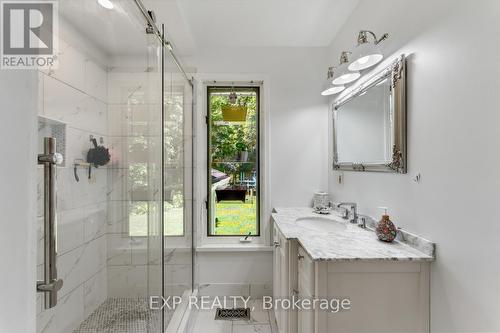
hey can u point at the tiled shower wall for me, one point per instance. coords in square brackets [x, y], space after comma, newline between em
[76, 94]
[134, 245]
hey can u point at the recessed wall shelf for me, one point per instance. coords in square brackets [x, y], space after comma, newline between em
[55, 129]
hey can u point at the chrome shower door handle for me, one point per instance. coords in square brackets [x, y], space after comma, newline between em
[50, 284]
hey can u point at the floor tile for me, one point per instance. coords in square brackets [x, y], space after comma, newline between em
[206, 323]
[252, 329]
[257, 316]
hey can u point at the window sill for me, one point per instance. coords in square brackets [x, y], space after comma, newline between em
[234, 248]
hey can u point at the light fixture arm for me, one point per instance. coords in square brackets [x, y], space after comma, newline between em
[329, 74]
[363, 37]
[344, 57]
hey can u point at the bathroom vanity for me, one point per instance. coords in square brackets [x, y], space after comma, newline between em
[326, 257]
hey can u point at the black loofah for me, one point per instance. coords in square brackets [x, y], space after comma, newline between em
[99, 155]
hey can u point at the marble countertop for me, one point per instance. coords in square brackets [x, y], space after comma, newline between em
[352, 243]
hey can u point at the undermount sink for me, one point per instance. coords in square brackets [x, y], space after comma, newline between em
[321, 224]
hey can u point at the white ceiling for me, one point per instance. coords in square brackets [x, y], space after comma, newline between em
[120, 31]
[265, 23]
[194, 24]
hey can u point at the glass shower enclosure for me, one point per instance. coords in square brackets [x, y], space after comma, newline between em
[123, 222]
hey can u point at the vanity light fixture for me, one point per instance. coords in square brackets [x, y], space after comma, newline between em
[367, 53]
[345, 76]
[106, 4]
[328, 89]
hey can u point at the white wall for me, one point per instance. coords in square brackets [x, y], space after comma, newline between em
[453, 125]
[18, 100]
[297, 137]
[297, 119]
[235, 273]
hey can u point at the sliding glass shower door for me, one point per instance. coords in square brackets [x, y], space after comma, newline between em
[178, 227]
[116, 90]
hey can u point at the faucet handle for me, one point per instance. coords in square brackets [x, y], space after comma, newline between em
[362, 224]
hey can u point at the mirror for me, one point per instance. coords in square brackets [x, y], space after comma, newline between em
[369, 123]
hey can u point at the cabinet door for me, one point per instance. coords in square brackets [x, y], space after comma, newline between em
[305, 318]
[284, 290]
[306, 287]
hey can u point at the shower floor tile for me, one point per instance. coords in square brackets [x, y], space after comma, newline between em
[123, 315]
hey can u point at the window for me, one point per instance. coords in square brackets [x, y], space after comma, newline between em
[233, 161]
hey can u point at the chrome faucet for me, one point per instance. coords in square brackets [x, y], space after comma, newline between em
[362, 221]
[353, 208]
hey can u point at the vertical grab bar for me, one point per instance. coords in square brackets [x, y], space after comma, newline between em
[50, 285]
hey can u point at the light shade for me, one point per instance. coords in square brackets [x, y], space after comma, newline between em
[332, 90]
[106, 4]
[367, 55]
[346, 78]
[328, 89]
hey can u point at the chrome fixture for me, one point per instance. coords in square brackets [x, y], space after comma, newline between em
[344, 75]
[328, 89]
[366, 221]
[367, 54]
[353, 209]
[362, 224]
[50, 285]
[161, 36]
[149, 29]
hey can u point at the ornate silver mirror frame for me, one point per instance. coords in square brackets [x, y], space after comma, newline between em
[396, 71]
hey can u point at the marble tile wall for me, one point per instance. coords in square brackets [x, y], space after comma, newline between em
[76, 94]
[133, 194]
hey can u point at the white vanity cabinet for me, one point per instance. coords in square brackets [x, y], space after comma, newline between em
[284, 280]
[384, 295]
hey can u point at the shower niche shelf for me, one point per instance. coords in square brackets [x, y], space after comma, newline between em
[53, 128]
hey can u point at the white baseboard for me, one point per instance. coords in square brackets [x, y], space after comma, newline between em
[257, 290]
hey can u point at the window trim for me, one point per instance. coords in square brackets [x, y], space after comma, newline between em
[258, 90]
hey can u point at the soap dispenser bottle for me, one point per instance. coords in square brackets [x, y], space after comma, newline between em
[386, 230]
